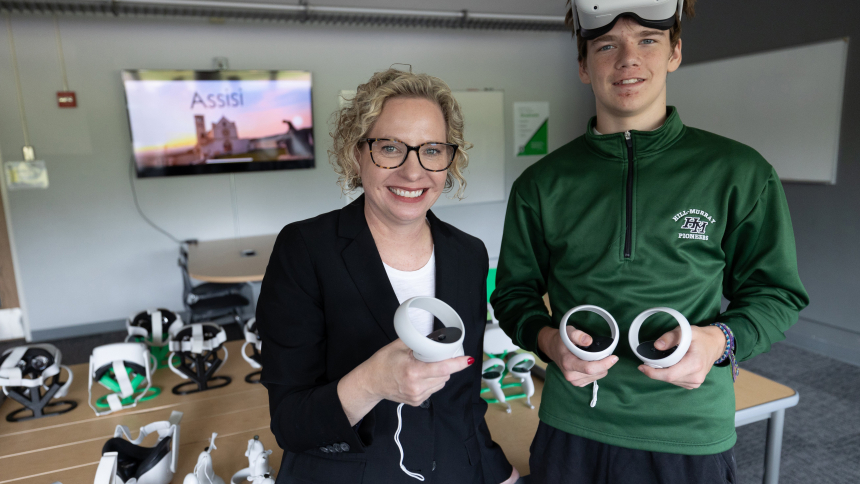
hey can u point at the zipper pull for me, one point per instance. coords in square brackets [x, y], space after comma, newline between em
[629, 138]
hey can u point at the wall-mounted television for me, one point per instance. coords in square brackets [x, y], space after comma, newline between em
[194, 122]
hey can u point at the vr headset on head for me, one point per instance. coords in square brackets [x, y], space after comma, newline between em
[593, 18]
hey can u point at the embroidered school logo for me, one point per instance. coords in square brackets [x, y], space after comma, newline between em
[695, 225]
[696, 221]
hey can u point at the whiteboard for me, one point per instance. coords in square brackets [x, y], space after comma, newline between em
[484, 115]
[787, 104]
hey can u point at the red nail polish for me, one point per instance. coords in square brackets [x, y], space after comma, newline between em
[470, 361]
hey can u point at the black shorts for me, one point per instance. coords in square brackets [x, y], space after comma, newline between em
[560, 457]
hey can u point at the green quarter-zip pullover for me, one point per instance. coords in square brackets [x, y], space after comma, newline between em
[674, 217]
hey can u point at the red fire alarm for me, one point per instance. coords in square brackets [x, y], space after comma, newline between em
[67, 99]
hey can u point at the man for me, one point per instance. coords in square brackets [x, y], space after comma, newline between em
[641, 212]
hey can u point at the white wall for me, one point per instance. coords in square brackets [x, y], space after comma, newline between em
[84, 253]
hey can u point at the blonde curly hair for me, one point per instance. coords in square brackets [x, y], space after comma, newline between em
[355, 120]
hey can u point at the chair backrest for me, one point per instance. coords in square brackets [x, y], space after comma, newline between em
[186, 279]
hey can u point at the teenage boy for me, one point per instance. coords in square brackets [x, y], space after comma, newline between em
[641, 212]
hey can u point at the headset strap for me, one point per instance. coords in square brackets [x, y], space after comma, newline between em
[10, 374]
[247, 358]
[199, 343]
[155, 319]
[106, 472]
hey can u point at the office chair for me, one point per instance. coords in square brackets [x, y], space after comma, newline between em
[210, 301]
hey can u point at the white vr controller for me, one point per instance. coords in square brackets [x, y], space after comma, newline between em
[437, 346]
[491, 372]
[601, 346]
[440, 344]
[204, 472]
[258, 471]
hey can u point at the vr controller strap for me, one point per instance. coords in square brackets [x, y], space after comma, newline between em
[397, 441]
[156, 328]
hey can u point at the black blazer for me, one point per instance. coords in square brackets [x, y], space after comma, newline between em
[326, 305]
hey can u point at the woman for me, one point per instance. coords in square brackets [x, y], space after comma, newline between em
[332, 362]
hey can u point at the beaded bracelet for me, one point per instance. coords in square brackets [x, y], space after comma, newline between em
[729, 352]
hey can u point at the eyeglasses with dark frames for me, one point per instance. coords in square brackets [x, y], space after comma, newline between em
[390, 153]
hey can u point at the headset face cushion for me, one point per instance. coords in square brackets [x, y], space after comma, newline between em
[161, 449]
[209, 332]
[104, 369]
[134, 460]
[144, 319]
[33, 362]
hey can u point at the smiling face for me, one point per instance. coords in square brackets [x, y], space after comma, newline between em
[627, 69]
[403, 195]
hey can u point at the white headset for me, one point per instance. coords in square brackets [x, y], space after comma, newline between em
[593, 18]
[117, 355]
[143, 470]
[12, 376]
[25, 369]
[197, 344]
[157, 317]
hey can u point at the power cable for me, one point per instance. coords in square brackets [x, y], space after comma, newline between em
[18, 83]
[60, 54]
[140, 211]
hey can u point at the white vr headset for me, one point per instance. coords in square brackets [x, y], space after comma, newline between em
[126, 362]
[197, 347]
[126, 461]
[593, 18]
[152, 324]
[25, 370]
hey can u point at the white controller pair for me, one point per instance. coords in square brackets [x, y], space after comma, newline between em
[602, 347]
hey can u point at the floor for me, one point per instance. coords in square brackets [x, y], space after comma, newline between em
[822, 433]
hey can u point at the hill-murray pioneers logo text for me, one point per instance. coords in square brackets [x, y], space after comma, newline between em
[696, 221]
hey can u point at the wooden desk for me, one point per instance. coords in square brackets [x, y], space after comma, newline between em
[757, 398]
[223, 260]
[67, 448]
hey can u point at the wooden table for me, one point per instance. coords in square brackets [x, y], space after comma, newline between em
[242, 259]
[67, 448]
[757, 398]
